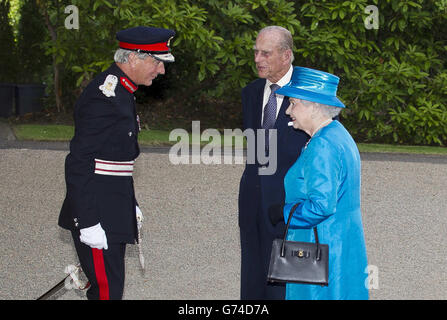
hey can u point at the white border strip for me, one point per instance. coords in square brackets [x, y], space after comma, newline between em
[114, 168]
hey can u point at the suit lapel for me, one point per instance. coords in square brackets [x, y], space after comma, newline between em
[258, 100]
[282, 117]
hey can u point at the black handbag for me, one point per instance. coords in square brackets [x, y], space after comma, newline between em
[299, 262]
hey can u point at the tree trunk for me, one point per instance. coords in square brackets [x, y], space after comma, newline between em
[56, 68]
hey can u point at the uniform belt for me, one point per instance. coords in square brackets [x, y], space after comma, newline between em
[114, 168]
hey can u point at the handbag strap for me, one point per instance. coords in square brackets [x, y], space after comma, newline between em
[318, 254]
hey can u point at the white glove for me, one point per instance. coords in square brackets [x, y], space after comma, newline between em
[94, 237]
[140, 217]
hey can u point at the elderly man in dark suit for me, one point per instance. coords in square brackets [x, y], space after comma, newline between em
[258, 193]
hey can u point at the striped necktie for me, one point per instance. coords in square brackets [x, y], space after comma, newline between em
[270, 109]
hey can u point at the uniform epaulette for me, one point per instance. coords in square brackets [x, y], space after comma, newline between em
[109, 85]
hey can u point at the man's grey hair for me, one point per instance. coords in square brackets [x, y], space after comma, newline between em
[329, 111]
[286, 39]
[122, 55]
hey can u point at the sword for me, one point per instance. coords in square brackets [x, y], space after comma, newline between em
[71, 281]
[140, 249]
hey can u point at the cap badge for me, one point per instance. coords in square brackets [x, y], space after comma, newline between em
[169, 41]
[109, 85]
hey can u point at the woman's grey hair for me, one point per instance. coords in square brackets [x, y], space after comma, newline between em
[286, 39]
[329, 111]
[122, 55]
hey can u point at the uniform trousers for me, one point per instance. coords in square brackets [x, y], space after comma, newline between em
[104, 269]
[256, 247]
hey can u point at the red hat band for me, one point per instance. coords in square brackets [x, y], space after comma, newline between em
[156, 47]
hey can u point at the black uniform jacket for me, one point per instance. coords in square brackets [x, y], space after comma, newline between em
[106, 128]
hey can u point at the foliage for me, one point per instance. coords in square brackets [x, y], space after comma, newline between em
[8, 61]
[31, 55]
[393, 79]
[14, 13]
[394, 83]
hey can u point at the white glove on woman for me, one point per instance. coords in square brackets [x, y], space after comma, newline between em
[94, 237]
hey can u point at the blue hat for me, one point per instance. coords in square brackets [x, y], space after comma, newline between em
[312, 85]
[150, 40]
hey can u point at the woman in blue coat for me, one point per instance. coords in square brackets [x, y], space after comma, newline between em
[325, 181]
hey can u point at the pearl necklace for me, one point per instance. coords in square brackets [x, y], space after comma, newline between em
[318, 128]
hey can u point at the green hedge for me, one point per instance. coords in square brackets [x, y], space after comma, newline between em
[8, 54]
[393, 79]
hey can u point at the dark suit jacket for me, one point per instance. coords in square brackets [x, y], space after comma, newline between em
[259, 192]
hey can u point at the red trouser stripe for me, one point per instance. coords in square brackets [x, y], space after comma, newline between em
[100, 271]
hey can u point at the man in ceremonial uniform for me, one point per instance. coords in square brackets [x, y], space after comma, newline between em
[100, 207]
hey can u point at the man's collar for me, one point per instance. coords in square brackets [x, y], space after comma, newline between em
[128, 84]
[125, 81]
[284, 80]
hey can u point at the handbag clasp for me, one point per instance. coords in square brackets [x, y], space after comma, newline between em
[301, 254]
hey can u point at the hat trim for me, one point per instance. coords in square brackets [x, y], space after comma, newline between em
[166, 57]
[310, 96]
[150, 52]
[153, 47]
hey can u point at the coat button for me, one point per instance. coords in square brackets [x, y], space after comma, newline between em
[130, 133]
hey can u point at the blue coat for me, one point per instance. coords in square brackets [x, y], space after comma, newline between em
[258, 192]
[326, 181]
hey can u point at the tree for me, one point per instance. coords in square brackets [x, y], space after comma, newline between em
[51, 13]
[8, 58]
[31, 33]
[393, 79]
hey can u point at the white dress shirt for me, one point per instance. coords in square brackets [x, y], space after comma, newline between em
[279, 98]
